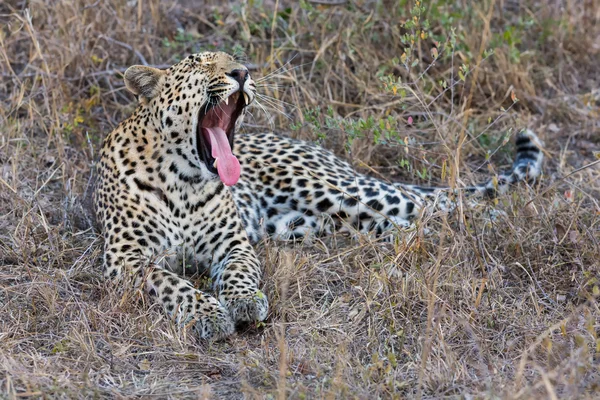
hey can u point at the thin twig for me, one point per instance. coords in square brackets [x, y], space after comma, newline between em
[126, 46]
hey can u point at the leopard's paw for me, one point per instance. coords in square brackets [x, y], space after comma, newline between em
[205, 315]
[215, 324]
[249, 308]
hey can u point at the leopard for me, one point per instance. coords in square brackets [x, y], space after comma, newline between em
[179, 193]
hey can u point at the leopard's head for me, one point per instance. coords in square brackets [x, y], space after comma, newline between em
[197, 105]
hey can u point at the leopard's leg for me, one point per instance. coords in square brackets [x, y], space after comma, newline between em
[221, 244]
[130, 264]
[355, 203]
[235, 271]
[236, 280]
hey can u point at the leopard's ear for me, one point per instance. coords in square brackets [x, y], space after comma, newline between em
[144, 81]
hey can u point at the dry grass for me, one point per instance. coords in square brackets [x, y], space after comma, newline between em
[502, 310]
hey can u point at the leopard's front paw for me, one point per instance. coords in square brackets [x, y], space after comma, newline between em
[213, 324]
[205, 315]
[249, 308]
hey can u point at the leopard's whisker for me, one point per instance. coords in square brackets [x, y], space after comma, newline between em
[275, 100]
[280, 71]
[276, 70]
[277, 107]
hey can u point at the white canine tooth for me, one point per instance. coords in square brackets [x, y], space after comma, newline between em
[227, 100]
[215, 164]
[246, 98]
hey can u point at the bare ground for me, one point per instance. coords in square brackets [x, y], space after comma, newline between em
[474, 309]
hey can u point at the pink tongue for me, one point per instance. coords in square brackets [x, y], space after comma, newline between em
[228, 165]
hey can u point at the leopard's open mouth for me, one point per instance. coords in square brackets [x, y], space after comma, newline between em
[214, 136]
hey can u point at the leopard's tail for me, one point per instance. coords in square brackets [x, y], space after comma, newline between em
[526, 167]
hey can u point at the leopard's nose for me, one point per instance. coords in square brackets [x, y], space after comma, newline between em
[240, 75]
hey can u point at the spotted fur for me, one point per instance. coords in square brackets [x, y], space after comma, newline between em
[166, 215]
